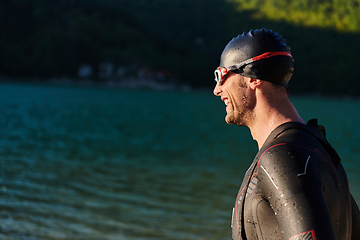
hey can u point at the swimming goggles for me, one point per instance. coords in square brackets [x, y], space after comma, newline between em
[221, 72]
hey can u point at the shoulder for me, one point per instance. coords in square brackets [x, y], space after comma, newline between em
[292, 145]
[289, 164]
[287, 152]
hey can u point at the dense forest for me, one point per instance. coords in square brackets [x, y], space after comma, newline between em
[46, 39]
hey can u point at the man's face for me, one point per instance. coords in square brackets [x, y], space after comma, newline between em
[238, 98]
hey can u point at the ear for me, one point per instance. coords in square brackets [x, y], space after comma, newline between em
[254, 83]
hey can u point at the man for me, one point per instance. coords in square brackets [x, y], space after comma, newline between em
[296, 187]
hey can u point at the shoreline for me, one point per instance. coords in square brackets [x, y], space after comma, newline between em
[148, 84]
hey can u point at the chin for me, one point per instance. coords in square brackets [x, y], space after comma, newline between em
[230, 119]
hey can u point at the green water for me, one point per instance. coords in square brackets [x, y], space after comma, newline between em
[86, 163]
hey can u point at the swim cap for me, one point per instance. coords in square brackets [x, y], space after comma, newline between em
[277, 67]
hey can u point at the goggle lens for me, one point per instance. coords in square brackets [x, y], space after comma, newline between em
[220, 73]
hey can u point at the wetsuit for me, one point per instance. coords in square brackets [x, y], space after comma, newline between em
[296, 188]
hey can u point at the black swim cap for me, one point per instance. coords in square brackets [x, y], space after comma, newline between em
[276, 69]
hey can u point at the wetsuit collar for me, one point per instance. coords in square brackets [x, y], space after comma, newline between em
[280, 129]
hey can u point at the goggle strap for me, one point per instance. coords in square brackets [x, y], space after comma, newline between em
[271, 54]
[257, 58]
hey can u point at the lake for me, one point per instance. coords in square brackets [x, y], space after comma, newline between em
[102, 163]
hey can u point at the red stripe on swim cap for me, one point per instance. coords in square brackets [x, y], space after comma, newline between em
[271, 54]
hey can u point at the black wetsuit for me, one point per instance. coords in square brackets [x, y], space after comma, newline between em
[296, 188]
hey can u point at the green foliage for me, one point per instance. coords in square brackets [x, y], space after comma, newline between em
[343, 15]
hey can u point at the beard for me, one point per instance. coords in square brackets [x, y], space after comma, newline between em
[242, 112]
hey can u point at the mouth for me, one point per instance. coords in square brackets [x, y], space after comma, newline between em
[225, 100]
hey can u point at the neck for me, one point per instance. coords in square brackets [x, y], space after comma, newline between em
[269, 113]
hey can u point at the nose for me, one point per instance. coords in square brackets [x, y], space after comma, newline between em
[217, 90]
